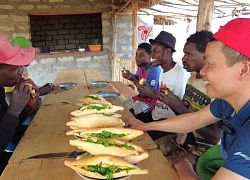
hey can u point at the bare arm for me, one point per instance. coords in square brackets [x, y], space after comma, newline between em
[224, 173]
[129, 76]
[211, 133]
[178, 124]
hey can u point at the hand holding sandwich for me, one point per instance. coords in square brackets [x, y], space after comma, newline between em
[174, 102]
[129, 76]
[146, 91]
[20, 97]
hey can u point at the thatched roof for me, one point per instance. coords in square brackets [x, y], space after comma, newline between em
[163, 20]
[171, 10]
[182, 9]
[125, 5]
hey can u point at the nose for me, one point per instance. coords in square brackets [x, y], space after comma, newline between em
[203, 71]
[184, 59]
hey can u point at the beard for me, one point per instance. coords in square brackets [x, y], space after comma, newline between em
[142, 64]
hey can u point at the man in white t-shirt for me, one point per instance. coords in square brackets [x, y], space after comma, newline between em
[163, 47]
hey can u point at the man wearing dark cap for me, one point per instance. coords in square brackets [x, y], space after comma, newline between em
[11, 61]
[139, 105]
[174, 76]
[227, 73]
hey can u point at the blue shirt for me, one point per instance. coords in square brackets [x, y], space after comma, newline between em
[152, 75]
[235, 146]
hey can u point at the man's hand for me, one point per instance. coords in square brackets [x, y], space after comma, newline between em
[19, 98]
[46, 89]
[34, 87]
[146, 91]
[173, 101]
[127, 74]
[134, 124]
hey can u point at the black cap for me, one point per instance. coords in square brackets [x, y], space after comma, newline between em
[165, 38]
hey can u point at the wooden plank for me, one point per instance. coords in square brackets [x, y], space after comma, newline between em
[157, 165]
[205, 15]
[93, 75]
[46, 134]
[71, 95]
[123, 89]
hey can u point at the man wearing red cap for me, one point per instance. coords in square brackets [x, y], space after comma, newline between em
[227, 72]
[11, 59]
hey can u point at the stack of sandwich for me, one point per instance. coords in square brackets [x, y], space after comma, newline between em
[99, 131]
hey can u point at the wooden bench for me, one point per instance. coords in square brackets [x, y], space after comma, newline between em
[125, 91]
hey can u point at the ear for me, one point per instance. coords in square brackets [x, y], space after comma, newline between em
[245, 69]
[168, 52]
[150, 56]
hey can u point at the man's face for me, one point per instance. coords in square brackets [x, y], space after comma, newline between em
[222, 79]
[192, 60]
[8, 75]
[142, 57]
[157, 54]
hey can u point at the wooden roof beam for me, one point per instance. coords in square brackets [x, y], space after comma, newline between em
[124, 6]
[205, 15]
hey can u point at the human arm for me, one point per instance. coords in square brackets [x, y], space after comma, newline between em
[129, 76]
[211, 133]
[7, 129]
[224, 173]
[185, 171]
[19, 99]
[173, 101]
[46, 89]
[146, 90]
[179, 124]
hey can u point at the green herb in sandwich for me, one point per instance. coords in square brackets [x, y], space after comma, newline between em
[107, 143]
[98, 107]
[107, 134]
[106, 169]
[92, 97]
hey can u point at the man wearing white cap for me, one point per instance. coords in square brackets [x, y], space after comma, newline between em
[227, 72]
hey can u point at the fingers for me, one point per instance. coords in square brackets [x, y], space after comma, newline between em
[23, 86]
[129, 122]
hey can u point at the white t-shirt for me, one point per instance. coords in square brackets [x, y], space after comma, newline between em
[177, 77]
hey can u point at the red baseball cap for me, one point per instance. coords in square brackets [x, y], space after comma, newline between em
[15, 55]
[236, 35]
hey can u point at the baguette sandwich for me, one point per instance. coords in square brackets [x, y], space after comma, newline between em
[167, 89]
[32, 90]
[96, 109]
[124, 134]
[95, 121]
[93, 99]
[95, 146]
[33, 94]
[142, 81]
[104, 167]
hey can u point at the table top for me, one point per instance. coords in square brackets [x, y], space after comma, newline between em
[46, 134]
[43, 169]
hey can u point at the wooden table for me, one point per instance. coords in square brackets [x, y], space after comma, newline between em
[46, 134]
[53, 169]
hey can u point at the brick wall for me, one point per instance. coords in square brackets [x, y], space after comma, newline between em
[15, 21]
[65, 32]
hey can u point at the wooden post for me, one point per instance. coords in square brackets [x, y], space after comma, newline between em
[114, 34]
[205, 15]
[135, 32]
[114, 41]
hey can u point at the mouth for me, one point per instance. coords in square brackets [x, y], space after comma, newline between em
[153, 60]
[206, 82]
[185, 65]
